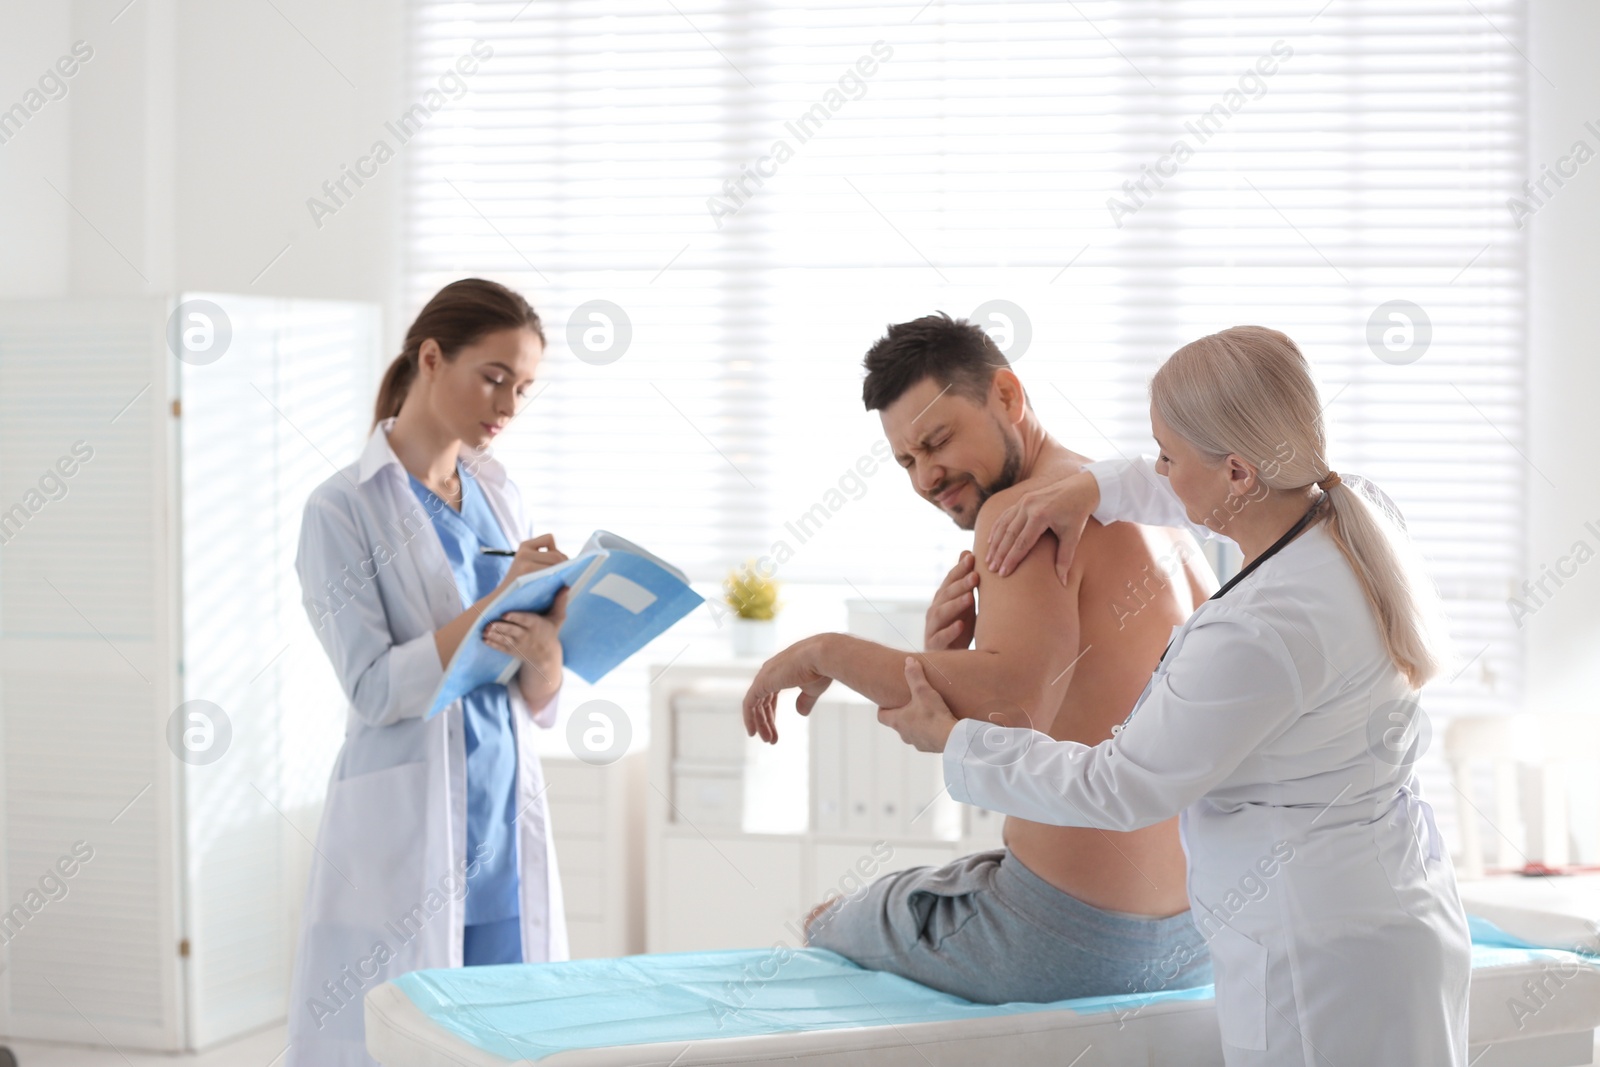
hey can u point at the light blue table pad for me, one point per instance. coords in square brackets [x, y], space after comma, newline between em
[531, 1011]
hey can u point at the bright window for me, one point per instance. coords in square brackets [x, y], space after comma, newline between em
[762, 188]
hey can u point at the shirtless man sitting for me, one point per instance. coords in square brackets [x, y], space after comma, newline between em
[1058, 912]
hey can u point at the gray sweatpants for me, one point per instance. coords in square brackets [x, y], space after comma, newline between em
[987, 929]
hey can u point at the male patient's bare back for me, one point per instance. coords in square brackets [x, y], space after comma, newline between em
[1133, 585]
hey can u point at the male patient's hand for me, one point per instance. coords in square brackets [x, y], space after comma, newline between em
[953, 616]
[793, 668]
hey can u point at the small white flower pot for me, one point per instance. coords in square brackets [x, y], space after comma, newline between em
[754, 637]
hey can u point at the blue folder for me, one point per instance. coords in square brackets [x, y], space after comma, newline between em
[622, 598]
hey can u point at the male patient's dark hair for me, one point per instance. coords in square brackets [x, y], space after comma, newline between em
[954, 352]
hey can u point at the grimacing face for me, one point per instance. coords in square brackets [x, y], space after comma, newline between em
[475, 395]
[958, 453]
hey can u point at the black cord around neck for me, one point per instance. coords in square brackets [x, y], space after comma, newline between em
[1305, 520]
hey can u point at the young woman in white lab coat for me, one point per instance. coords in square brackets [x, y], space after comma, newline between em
[1276, 725]
[428, 822]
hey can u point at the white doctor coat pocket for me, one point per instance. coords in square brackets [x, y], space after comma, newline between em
[1241, 985]
[376, 834]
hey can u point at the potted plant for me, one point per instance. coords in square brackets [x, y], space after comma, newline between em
[754, 599]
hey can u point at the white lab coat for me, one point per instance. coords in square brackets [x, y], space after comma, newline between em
[1315, 870]
[387, 887]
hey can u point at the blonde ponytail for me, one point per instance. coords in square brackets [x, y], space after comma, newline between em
[1248, 391]
[1390, 569]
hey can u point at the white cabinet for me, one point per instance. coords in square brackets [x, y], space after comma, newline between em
[743, 839]
[149, 513]
[599, 840]
[867, 782]
[727, 891]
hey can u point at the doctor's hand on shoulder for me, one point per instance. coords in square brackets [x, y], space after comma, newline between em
[1063, 508]
[925, 721]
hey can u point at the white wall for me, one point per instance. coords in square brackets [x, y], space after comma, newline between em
[1563, 636]
[190, 142]
[34, 255]
[264, 120]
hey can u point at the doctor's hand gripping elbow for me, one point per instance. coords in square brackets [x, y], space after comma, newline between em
[1062, 508]
[925, 721]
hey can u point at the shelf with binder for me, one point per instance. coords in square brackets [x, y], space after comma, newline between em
[743, 838]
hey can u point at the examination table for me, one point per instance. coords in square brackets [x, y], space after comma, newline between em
[1530, 1007]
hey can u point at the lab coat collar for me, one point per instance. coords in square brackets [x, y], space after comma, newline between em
[378, 455]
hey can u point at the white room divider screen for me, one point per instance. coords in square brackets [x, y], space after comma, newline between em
[167, 718]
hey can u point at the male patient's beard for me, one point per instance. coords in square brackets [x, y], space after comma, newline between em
[1010, 474]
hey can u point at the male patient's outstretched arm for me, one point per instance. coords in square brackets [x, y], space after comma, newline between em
[1024, 646]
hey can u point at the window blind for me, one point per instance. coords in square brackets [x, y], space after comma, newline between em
[761, 188]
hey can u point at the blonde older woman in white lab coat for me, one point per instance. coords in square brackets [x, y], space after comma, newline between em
[391, 872]
[1270, 726]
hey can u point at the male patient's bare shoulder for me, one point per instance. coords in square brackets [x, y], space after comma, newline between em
[994, 507]
[989, 514]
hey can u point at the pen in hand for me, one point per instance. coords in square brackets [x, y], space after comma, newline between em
[497, 552]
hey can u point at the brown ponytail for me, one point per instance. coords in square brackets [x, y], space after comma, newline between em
[460, 314]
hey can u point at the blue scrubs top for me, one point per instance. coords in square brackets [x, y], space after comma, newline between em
[491, 744]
